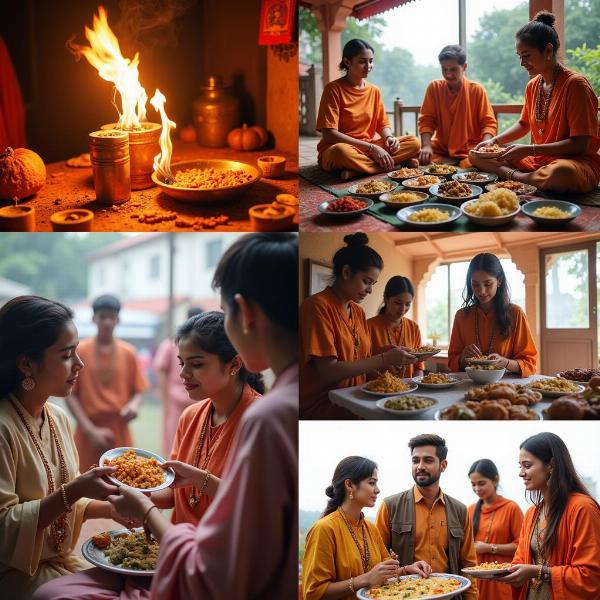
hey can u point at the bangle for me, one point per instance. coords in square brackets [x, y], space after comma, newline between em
[204, 484]
[65, 499]
[534, 153]
[351, 585]
[145, 521]
[402, 571]
[510, 173]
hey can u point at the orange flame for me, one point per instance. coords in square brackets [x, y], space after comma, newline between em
[162, 161]
[104, 54]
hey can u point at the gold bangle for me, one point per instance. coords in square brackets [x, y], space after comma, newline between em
[65, 499]
[204, 485]
[145, 521]
[351, 585]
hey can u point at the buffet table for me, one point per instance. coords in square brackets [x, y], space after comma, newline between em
[363, 405]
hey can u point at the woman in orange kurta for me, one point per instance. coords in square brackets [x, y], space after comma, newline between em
[344, 552]
[559, 545]
[357, 137]
[496, 525]
[391, 328]
[489, 324]
[456, 113]
[213, 375]
[560, 111]
[335, 345]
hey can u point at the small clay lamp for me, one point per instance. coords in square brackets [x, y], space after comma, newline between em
[17, 218]
[271, 166]
[271, 217]
[75, 219]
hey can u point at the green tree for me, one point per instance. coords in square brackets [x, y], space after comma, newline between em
[587, 61]
[51, 265]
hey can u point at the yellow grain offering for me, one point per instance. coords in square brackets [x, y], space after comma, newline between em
[550, 212]
[429, 215]
[494, 204]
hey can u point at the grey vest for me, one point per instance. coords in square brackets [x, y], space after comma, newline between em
[401, 513]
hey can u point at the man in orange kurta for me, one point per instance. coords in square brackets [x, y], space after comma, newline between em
[406, 334]
[574, 563]
[217, 443]
[573, 112]
[326, 330]
[360, 114]
[518, 346]
[456, 113]
[499, 523]
[107, 394]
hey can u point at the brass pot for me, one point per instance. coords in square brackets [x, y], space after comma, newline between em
[143, 147]
[109, 154]
[216, 113]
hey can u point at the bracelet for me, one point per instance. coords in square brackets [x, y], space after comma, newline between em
[204, 484]
[534, 153]
[494, 549]
[145, 521]
[351, 585]
[539, 575]
[507, 363]
[509, 174]
[402, 571]
[65, 499]
[370, 149]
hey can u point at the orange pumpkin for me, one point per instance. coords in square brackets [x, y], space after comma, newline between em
[247, 138]
[22, 173]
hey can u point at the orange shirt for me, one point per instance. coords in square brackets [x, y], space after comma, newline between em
[519, 345]
[574, 562]
[459, 122]
[358, 113]
[573, 111]
[331, 555]
[406, 333]
[327, 330]
[431, 536]
[220, 439]
[104, 386]
[499, 523]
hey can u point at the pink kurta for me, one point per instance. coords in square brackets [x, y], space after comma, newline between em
[246, 545]
[178, 399]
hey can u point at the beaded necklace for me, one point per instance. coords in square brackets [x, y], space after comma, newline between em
[542, 100]
[478, 340]
[58, 528]
[366, 555]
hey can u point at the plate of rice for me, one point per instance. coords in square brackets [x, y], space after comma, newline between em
[372, 188]
[551, 212]
[493, 208]
[429, 215]
[476, 177]
[438, 586]
[403, 198]
[388, 384]
[434, 381]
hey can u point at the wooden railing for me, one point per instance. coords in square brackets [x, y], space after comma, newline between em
[400, 110]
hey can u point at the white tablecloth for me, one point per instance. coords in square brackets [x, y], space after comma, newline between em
[363, 405]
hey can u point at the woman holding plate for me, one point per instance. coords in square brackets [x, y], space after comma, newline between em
[43, 499]
[344, 552]
[213, 375]
[488, 324]
[496, 525]
[559, 545]
[335, 344]
[561, 113]
[390, 328]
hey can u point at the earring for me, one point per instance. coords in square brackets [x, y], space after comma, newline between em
[351, 496]
[232, 372]
[28, 383]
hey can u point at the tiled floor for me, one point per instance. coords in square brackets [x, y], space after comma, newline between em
[307, 150]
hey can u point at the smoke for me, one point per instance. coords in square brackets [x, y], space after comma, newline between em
[151, 23]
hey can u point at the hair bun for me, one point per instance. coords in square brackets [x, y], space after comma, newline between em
[545, 17]
[329, 492]
[357, 239]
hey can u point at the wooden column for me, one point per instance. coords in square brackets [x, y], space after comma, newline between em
[557, 7]
[462, 24]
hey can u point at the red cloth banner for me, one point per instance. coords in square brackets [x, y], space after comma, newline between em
[277, 22]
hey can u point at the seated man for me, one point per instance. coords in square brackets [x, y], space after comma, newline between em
[456, 113]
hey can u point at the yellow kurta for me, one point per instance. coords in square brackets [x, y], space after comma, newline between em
[331, 555]
[27, 557]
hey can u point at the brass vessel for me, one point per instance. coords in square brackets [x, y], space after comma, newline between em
[109, 153]
[143, 147]
[216, 113]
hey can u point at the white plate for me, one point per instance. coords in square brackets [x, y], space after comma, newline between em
[435, 386]
[586, 383]
[488, 221]
[424, 355]
[412, 388]
[97, 557]
[406, 413]
[572, 210]
[362, 594]
[526, 189]
[112, 454]
[476, 191]
[349, 213]
[373, 195]
[454, 213]
[438, 416]
[411, 185]
[552, 394]
[479, 154]
[484, 573]
[477, 361]
[487, 177]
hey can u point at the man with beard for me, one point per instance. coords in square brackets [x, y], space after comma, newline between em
[423, 523]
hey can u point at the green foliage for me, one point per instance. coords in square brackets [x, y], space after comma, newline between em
[587, 61]
[52, 265]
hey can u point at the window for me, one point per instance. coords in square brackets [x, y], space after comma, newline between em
[444, 296]
[154, 267]
[214, 249]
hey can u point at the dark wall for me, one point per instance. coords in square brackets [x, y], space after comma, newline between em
[67, 99]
